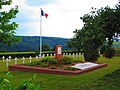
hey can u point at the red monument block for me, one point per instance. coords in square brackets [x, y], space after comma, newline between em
[58, 51]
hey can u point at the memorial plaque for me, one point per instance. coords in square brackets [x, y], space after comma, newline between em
[58, 51]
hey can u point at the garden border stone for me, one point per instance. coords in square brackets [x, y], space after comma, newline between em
[22, 68]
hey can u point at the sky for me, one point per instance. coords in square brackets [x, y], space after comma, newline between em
[63, 16]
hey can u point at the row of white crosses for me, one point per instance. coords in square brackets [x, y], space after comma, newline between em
[37, 58]
[15, 60]
[73, 55]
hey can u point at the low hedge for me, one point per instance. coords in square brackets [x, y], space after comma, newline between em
[117, 50]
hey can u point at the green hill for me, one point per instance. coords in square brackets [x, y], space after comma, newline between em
[31, 43]
[116, 44]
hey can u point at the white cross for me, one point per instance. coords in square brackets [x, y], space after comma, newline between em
[7, 62]
[51, 55]
[15, 60]
[73, 55]
[30, 59]
[76, 55]
[47, 55]
[69, 54]
[36, 58]
[43, 55]
[9, 58]
[23, 59]
[3, 58]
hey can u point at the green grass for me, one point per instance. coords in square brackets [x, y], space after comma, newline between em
[100, 79]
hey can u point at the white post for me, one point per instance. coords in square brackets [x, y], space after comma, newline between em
[36, 58]
[9, 58]
[7, 62]
[3, 58]
[15, 60]
[23, 59]
[30, 59]
[40, 35]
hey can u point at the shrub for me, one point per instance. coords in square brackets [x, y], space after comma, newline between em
[117, 50]
[44, 65]
[45, 60]
[52, 67]
[109, 52]
[33, 63]
[52, 61]
[5, 84]
[66, 60]
[102, 49]
[70, 68]
[91, 56]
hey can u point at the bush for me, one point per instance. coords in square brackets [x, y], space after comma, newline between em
[52, 61]
[109, 52]
[5, 84]
[117, 50]
[70, 68]
[34, 63]
[102, 49]
[66, 60]
[44, 65]
[45, 60]
[52, 67]
[91, 56]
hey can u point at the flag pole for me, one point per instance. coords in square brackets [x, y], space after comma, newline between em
[40, 34]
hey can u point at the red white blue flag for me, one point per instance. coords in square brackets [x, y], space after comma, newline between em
[43, 13]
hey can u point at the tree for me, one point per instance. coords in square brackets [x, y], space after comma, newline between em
[45, 47]
[99, 26]
[7, 28]
[110, 18]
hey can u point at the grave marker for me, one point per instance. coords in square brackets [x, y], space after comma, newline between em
[15, 60]
[23, 59]
[7, 62]
[3, 58]
[9, 58]
[36, 58]
[30, 59]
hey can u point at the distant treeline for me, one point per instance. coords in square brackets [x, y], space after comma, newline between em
[31, 43]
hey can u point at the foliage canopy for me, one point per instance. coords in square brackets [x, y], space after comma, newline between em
[99, 26]
[7, 27]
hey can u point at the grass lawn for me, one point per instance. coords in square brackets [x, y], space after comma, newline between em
[100, 79]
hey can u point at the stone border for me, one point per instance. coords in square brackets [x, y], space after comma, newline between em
[22, 68]
[116, 54]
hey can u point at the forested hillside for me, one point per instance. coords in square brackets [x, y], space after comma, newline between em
[31, 43]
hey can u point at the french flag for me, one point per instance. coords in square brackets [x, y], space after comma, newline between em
[43, 13]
